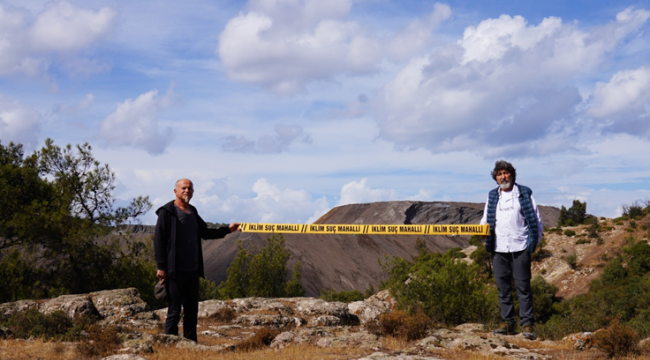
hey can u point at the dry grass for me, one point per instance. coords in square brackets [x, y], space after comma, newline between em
[297, 352]
[37, 349]
[394, 343]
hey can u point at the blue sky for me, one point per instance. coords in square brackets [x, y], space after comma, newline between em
[279, 110]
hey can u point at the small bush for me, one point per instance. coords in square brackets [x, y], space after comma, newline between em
[223, 315]
[342, 296]
[401, 325]
[599, 241]
[583, 241]
[617, 340]
[572, 260]
[31, 323]
[101, 341]
[569, 232]
[262, 338]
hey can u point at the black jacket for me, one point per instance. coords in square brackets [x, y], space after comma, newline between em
[164, 239]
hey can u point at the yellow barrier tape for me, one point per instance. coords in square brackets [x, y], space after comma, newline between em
[367, 229]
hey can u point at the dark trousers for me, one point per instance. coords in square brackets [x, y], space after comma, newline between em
[183, 291]
[506, 267]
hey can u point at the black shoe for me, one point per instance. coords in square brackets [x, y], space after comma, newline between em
[527, 332]
[504, 329]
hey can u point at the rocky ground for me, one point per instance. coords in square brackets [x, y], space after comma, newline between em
[314, 326]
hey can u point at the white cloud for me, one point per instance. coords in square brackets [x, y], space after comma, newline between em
[623, 103]
[506, 87]
[285, 44]
[360, 192]
[18, 123]
[135, 123]
[270, 205]
[284, 135]
[29, 44]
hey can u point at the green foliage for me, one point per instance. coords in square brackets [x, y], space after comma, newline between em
[543, 298]
[582, 241]
[342, 296]
[54, 326]
[633, 211]
[481, 257]
[263, 274]
[575, 215]
[569, 233]
[442, 287]
[54, 206]
[572, 260]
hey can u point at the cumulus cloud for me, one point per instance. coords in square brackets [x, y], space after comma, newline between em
[270, 204]
[357, 192]
[18, 123]
[29, 44]
[505, 86]
[284, 135]
[285, 44]
[623, 103]
[135, 124]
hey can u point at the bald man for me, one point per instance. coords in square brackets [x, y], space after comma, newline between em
[179, 256]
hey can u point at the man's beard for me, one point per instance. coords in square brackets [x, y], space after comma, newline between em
[505, 185]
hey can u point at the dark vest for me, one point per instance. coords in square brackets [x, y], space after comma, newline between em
[526, 209]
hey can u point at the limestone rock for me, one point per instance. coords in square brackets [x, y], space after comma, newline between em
[260, 304]
[11, 308]
[581, 340]
[117, 305]
[313, 307]
[210, 308]
[74, 306]
[366, 311]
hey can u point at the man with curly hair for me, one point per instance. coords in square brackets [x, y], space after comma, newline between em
[515, 229]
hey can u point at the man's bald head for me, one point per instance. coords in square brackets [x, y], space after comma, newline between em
[184, 190]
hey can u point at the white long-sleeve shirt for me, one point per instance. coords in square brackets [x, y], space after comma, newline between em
[511, 229]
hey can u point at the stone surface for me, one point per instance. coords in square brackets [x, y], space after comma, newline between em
[74, 306]
[581, 340]
[7, 309]
[118, 305]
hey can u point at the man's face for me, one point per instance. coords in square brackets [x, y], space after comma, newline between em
[504, 179]
[184, 190]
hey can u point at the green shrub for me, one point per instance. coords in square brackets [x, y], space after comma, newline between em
[262, 274]
[575, 215]
[54, 326]
[583, 241]
[599, 241]
[342, 296]
[572, 260]
[445, 289]
[543, 298]
[569, 232]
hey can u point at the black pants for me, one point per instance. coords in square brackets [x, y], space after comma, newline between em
[506, 267]
[183, 291]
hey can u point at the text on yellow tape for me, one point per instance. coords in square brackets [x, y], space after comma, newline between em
[367, 229]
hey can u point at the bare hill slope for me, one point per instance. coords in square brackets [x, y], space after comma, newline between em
[346, 262]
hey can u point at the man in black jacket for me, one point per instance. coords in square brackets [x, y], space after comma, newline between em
[179, 256]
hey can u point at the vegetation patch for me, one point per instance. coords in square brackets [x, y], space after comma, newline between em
[401, 325]
[262, 338]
